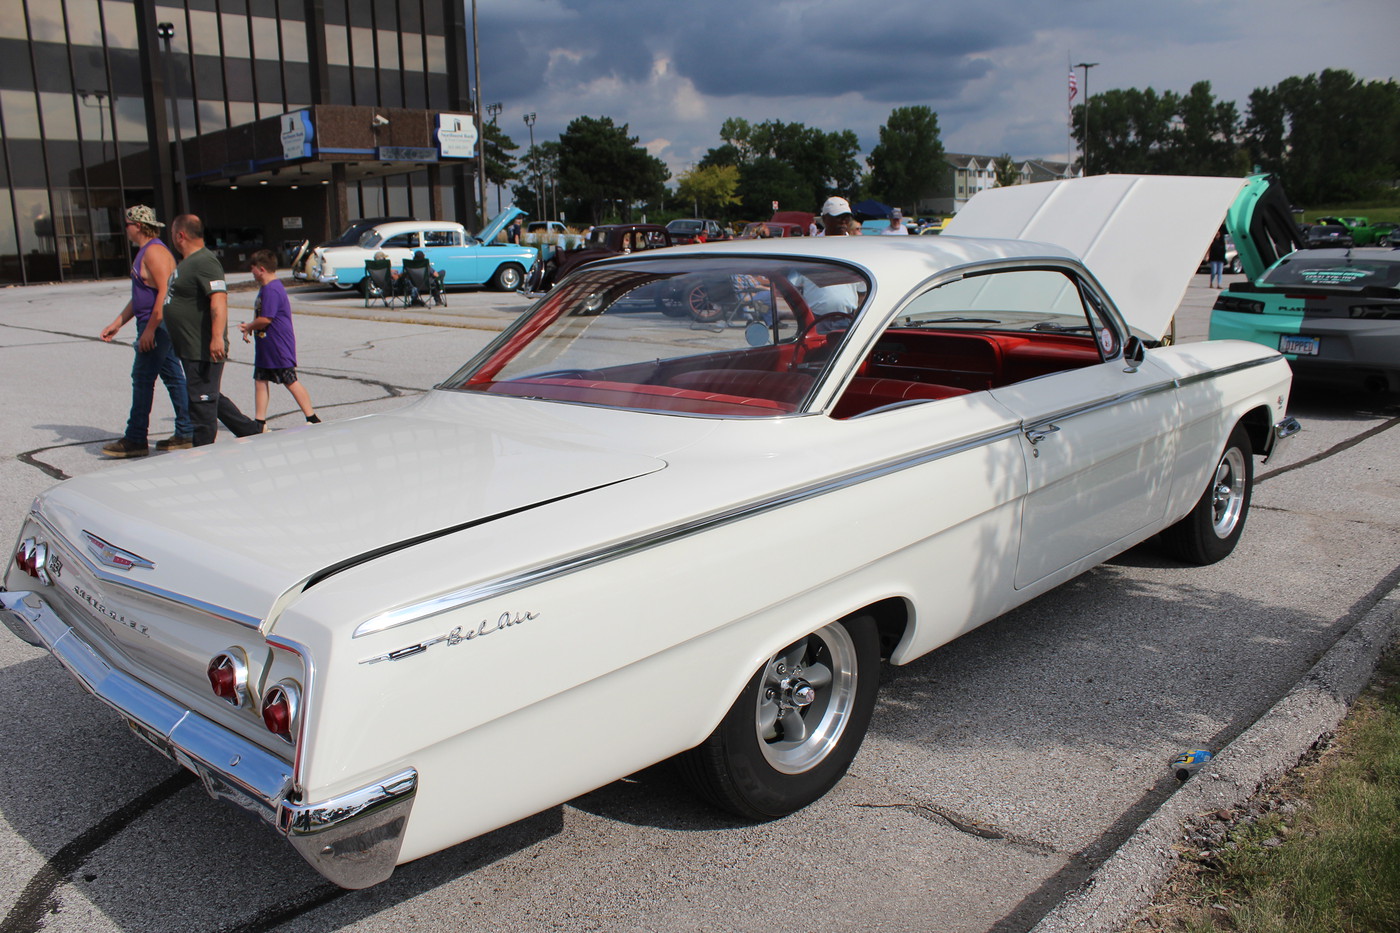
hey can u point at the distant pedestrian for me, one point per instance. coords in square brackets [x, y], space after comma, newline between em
[196, 313]
[1216, 258]
[150, 278]
[896, 227]
[275, 347]
[837, 219]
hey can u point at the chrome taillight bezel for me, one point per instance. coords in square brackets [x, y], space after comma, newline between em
[234, 660]
[289, 690]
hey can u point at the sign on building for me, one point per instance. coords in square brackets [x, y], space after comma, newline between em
[297, 135]
[456, 135]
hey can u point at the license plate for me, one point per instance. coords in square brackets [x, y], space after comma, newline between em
[1300, 346]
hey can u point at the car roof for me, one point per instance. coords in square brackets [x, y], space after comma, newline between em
[408, 226]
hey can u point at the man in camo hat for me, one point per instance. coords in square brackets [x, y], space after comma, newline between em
[150, 277]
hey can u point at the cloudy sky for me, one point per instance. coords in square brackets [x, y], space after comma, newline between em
[996, 73]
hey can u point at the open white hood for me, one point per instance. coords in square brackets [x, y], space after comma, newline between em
[1142, 236]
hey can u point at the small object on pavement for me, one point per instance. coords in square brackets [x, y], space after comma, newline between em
[1188, 763]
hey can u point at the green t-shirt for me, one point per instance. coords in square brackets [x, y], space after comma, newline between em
[187, 306]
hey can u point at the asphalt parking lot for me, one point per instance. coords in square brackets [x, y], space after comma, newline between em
[1000, 771]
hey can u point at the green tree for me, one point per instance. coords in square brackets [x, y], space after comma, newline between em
[796, 165]
[1129, 131]
[599, 164]
[1329, 136]
[1206, 137]
[1008, 172]
[711, 188]
[907, 164]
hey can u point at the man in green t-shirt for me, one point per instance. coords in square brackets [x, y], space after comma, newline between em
[196, 314]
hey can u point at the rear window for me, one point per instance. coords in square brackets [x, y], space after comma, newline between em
[1359, 272]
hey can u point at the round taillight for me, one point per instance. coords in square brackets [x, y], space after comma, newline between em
[24, 557]
[279, 710]
[228, 676]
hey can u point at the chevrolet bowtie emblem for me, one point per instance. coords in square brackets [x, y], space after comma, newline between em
[113, 556]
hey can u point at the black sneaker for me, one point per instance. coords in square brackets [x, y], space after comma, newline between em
[176, 442]
[125, 448]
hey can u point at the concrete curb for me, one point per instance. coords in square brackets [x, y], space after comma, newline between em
[1130, 877]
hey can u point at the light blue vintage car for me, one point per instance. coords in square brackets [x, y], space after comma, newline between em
[465, 259]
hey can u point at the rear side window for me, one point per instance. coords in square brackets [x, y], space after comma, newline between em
[440, 238]
[401, 241]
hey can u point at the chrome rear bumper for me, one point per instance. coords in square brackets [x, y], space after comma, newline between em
[352, 839]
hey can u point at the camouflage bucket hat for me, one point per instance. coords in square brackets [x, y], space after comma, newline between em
[141, 214]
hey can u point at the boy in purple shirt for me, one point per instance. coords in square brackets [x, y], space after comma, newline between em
[275, 351]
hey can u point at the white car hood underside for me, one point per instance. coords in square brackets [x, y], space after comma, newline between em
[1142, 236]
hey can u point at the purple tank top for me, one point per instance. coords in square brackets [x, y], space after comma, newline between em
[143, 296]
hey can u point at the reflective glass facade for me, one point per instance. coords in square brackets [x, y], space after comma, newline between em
[83, 101]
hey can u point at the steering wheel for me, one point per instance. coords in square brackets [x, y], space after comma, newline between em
[820, 319]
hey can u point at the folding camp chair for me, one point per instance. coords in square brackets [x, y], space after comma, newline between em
[378, 283]
[420, 283]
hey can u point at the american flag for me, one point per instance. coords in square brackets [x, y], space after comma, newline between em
[1073, 85]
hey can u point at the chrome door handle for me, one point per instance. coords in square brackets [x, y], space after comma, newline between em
[1036, 435]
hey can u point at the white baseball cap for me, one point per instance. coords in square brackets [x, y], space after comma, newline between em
[835, 207]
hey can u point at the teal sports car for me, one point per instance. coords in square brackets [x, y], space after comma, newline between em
[1333, 313]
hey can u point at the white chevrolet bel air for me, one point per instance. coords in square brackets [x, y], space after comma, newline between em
[617, 537]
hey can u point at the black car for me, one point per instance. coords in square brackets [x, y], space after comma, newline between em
[350, 237]
[1323, 236]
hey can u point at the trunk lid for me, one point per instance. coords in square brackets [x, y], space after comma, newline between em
[234, 526]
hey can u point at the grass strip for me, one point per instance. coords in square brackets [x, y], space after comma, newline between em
[1319, 852]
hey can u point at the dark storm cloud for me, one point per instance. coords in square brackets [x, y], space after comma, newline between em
[729, 48]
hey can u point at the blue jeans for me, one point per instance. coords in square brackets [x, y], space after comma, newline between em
[160, 361]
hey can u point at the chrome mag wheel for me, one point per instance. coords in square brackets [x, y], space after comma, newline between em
[805, 699]
[1228, 492]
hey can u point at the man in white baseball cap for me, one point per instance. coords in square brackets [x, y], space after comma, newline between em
[837, 219]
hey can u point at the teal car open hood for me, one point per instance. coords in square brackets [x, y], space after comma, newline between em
[1261, 222]
[498, 223]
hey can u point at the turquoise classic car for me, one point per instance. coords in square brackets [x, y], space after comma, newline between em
[464, 259]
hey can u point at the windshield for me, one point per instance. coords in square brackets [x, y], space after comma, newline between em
[733, 336]
[1304, 269]
[685, 226]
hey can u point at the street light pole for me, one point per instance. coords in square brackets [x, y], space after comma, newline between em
[481, 127]
[530, 122]
[1086, 66]
[166, 31]
[494, 110]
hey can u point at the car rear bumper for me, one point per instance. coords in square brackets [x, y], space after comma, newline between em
[352, 839]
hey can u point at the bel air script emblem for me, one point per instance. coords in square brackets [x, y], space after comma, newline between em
[113, 556]
[458, 635]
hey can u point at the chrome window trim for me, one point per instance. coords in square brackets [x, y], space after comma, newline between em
[456, 599]
[112, 579]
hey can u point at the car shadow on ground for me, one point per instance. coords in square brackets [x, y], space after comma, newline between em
[69, 774]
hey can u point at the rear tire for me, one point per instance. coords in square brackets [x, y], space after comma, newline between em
[792, 733]
[1211, 530]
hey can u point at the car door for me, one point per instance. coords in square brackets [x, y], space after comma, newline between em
[1099, 444]
[459, 264]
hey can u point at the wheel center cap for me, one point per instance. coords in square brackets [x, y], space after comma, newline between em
[797, 692]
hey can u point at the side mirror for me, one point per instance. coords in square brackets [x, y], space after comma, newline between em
[757, 334]
[1134, 351]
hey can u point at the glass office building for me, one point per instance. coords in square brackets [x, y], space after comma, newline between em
[87, 127]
